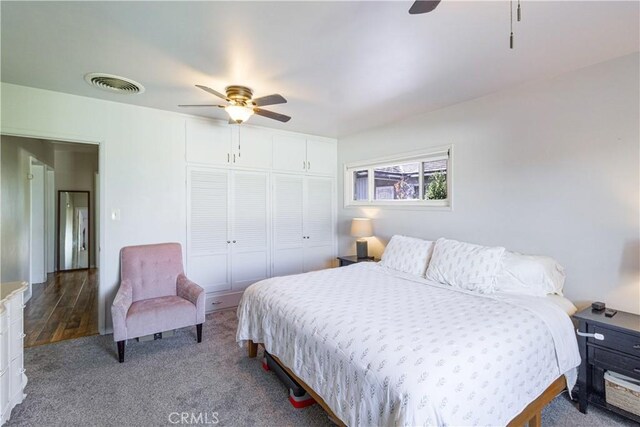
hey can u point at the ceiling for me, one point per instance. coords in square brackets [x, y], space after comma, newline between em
[343, 66]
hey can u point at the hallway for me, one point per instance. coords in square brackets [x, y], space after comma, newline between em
[63, 307]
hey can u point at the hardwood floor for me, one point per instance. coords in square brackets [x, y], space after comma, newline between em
[63, 307]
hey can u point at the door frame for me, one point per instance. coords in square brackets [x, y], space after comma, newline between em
[35, 163]
[79, 139]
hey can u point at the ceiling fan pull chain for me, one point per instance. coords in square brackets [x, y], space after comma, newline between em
[519, 12]
[511, 23]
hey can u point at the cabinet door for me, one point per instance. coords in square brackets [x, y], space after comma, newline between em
[207, 142]
[254, 148]
[319, 250]
[322, 157]
[287, 211]
[249, 228]
[207, 234]
[289, 153]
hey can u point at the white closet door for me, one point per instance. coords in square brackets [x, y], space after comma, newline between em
[319, 224]
[208, 253]
[249, 228]
[254, 148]
[289, 153]
[288, 230]
[322, 157]
[208, 142]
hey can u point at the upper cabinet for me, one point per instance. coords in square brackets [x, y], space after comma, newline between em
[208, 142]
[254, 148]
[297, 154]
[322, 157]
[289, 153]
[212, 142]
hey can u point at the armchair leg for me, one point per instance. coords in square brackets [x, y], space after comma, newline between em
[199, 332]
[121, 351]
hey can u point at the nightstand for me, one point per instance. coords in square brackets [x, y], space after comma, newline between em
[352, 259]
[612, 343]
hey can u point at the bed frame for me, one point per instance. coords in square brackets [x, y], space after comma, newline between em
[531, 416]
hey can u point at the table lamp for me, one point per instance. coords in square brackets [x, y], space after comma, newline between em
[361, 227]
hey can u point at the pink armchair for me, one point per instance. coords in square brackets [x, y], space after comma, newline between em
[154, 294]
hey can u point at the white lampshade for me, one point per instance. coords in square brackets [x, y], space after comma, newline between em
[361, 227]
[239, 113]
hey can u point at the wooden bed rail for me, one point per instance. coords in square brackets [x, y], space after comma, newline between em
[530, 416]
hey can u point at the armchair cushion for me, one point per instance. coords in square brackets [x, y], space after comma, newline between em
[152, 269]
[193, 293]
[159, 314]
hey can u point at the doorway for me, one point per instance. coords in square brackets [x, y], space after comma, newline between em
[51, 219]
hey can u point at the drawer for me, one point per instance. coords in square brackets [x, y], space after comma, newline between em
[620, 341]
[608, 360]
[219, 302]
[15, 373]
[4, 351]
[15, 307]
[4, 391]
[4, 320]
[16, 340]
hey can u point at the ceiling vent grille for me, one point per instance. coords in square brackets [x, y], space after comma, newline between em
[112, 83]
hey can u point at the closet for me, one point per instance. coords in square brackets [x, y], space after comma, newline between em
[260, 203]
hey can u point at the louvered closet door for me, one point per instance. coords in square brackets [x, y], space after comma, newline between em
[249, 228]
[319, 224]
[288, 246]
[208, 253]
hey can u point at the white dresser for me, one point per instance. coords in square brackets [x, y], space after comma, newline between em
[12, 376]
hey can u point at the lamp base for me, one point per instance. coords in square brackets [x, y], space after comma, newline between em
[362, 249]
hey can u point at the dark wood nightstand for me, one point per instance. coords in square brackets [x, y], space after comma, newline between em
[618, 350]
[352, 259]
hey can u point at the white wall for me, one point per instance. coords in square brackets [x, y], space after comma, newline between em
[15, 202]
[142, 167]
[546, 168]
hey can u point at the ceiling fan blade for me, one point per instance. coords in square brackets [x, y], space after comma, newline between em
[271, 115]
[269, 100]
[201, 105]
[423, 6]
[213, 92]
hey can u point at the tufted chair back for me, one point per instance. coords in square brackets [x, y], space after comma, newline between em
[151, 269]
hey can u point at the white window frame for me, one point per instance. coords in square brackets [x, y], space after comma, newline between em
[421, 156]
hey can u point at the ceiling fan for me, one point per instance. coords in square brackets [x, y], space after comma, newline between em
[241, 104]
[423, 6]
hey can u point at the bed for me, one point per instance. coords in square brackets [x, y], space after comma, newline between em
[380, 347]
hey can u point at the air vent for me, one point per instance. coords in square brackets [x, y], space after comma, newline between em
[112, 83]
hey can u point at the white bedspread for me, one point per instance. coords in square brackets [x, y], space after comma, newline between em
[382, 348]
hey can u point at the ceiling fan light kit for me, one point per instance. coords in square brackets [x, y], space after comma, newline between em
[241, 104]
[239, 113]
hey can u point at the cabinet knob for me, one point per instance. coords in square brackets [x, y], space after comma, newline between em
[216, 302]
[228, 241]
[636, 347]
[234, 241]
[636, 370]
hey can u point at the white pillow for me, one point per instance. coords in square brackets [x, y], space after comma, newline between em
[464, 265]
[407, 254]
[530, 275]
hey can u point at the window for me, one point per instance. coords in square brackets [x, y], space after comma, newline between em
[414, 179]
